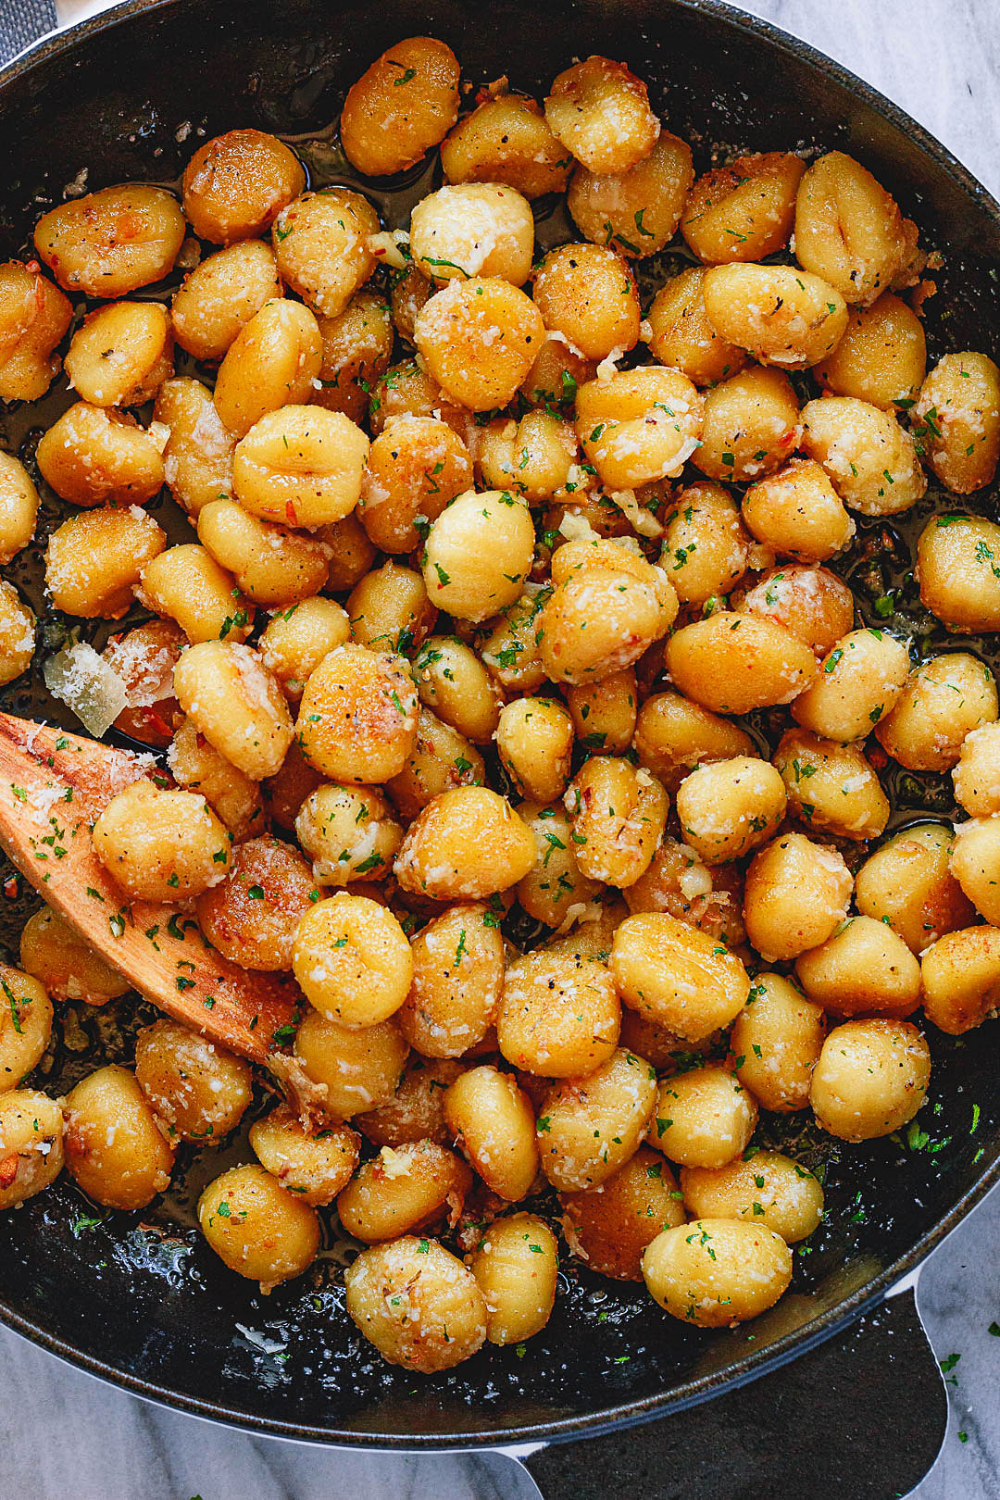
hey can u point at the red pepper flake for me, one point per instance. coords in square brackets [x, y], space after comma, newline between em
[12, 887]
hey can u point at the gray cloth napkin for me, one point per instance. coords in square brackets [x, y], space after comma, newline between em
[22, 22]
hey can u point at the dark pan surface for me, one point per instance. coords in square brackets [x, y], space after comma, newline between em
[139, 1298]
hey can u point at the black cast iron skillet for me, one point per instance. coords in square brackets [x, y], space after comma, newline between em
[138, 1299]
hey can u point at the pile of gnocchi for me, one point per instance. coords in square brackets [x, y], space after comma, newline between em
[502, 694]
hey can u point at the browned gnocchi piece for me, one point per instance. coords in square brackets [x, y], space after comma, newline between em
[745, 211]
[640, 426]
[94, 456]
[187, 585]
[467, 844]
[416, 1110]
[417, 1303]
[468, 581]
[784, 1196]
[728, 808]
[679, 334]
[196, 764]
[236, 184]
[956, 421]
[116, 1147]
[441, 760]
[34, 315]
[870, 458]
[674, 735]
[121, 354]
[618, 813]
[25, 1025]
[295, 640]
[272, 362]
[109, 243]
[271, 565]
[478, 339]
[357, 350]
[401, 107]
[161, 845]
[492, 1122]
[859, 681]
[638, 210]
[610, 1226]
[798, 513]
[712, 1273]
[31, 1145]
[956, 558]
[751, 426]
[256, 1228]
[945, 698]
[515, 1265]
[961, 979]
[677, 976]
[731, 663]
[703, 1118]
[233, 700]
[831, 787]
[473, 229]
[17, 634]
[864, 968]
[416, 466]
[199, 1090]
[18, 507]
[458, 970]
[220, 296]
[600, 111]
[94, 560]
[976, 774]
[321, 246]
[198, 454]
[555, 883]
[55, 954]
[908, 884]
[313, 1163]
[590, 1126]
[507, 139]
[351, 959]
[300, 466]
[359, 1067]
[797, 893]
[882, 356]
[848, 229]
[871, 1078]
[349, 832]
[780, 315]
[587, 294]
[371, 692]
[453, 681]
[608, 606]
[558, 1014]
[813, 603]
[534, 739]
[775, 1043]
[252, 916]
[403, 1189]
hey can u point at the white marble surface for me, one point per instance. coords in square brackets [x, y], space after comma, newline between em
[63, 1433]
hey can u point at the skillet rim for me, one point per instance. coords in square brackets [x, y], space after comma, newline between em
[789, 1346]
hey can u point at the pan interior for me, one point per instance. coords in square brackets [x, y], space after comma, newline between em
[140, 1296]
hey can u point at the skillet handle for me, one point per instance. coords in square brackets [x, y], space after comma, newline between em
[23, 22]
[860, 1417]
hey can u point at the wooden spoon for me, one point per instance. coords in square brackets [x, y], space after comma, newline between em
[53, 787]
